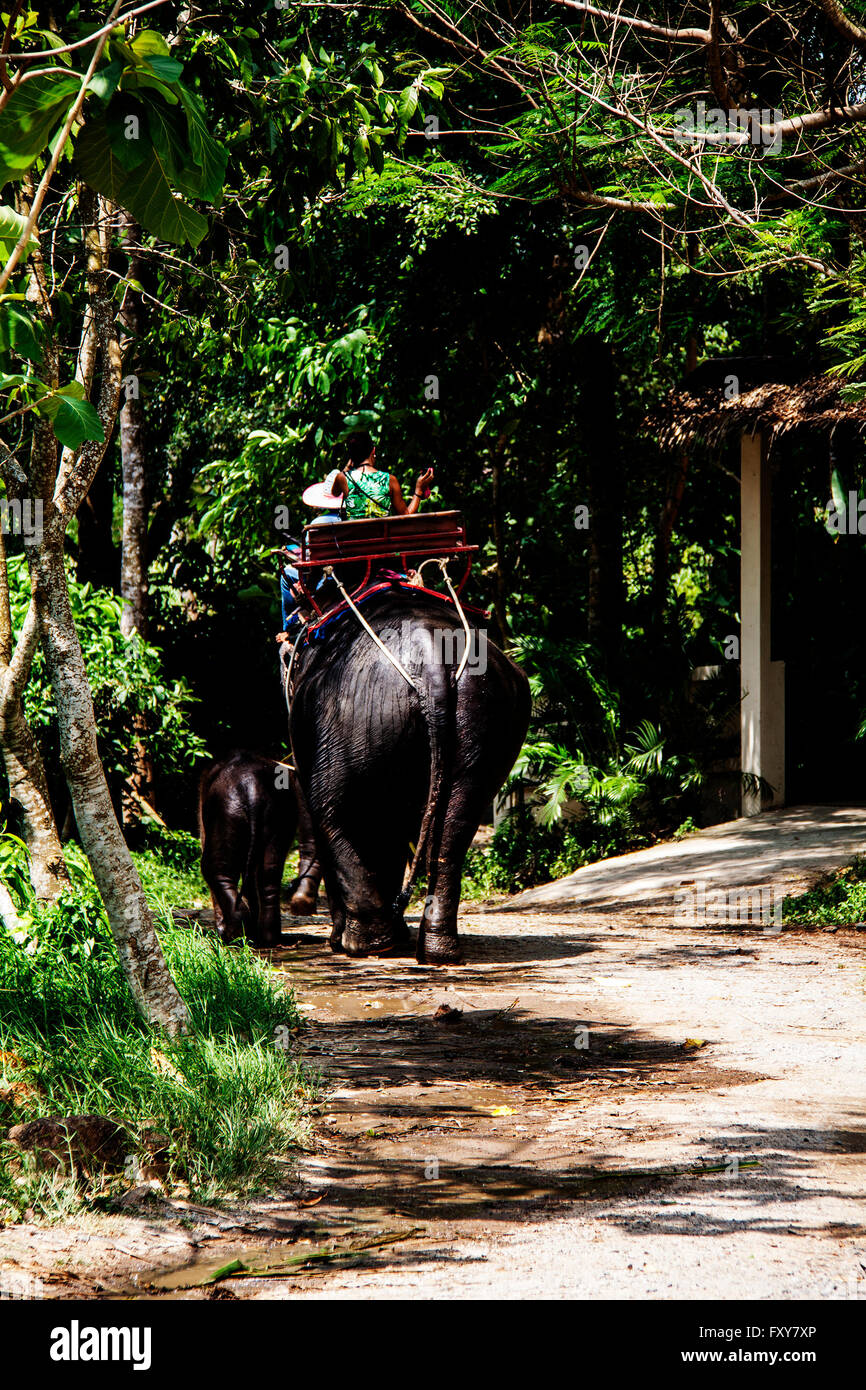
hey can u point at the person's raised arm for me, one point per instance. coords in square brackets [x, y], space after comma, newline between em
[397, 501]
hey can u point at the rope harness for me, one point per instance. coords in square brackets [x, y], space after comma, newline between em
[287, 668]
[458, 605]
[395, 662]
[329, 570]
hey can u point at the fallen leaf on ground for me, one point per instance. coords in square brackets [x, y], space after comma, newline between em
[445, 1014]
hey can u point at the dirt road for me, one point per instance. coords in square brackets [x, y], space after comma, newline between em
[593, 1106]
[616, 1111]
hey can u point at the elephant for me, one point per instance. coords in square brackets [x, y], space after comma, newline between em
[249, 812]
[388, 767]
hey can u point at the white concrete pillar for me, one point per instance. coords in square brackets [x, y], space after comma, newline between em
[762, 712]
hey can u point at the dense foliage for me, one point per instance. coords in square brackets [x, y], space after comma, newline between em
[129, 684]
[497, 238]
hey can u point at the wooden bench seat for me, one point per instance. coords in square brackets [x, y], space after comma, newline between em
[382, 537]
[358, 550]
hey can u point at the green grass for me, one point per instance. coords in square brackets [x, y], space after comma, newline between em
[168, 884]
[839, 900]
[168, 865]
[228, 1097]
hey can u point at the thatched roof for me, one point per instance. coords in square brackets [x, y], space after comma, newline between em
[815, 405]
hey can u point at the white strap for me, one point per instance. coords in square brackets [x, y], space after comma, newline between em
[329, 569]
[457, 604]
[443, 565]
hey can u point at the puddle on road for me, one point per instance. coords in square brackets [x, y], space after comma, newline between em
[452, 1096]
[461, 1194]
[345, 1241]
[337, 1006]
[195, 1274]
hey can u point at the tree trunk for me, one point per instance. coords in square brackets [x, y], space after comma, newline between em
[134, 542]
[133, 565]
[27, 785]
[133, 586]
[131, 921]
[25, 772]
[132, 925]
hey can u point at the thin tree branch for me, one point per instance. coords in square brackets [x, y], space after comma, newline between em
[643, 26]
[18, 668]
[39, 197]
[842, 23]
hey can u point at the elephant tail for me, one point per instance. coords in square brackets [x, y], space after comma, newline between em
[436, 696]
[252, 865]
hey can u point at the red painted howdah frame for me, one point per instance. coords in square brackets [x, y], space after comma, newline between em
[406, 540]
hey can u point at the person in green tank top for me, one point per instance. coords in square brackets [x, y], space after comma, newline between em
[371, 491]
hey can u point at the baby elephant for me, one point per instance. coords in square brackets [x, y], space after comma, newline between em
[248, 816]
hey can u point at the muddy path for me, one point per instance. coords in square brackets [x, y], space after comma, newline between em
[592, 1106]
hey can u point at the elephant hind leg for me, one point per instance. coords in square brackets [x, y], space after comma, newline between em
[267, 868]
[438, 946]
[360, 939]
[438, 942]
[367, 925]
[232, 914]
[338, 914]
[267, 891]
[306, 892]
[375, 930]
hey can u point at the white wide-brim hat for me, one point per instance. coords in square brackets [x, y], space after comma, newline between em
[320, 494]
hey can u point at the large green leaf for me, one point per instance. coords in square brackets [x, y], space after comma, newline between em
[18, 333]
[153, 204]
[73, 418]
[29, 117]
[166, 69]
[103, 84]
[129, 152]
[97, 161]
[142, 77]
[11, 226]
[207, 153]
[406, 104]
[149, 44]
[168, 136]
[147, 192]
[51, 40]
